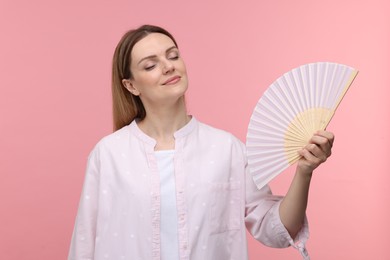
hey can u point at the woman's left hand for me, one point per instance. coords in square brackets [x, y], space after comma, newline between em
[315, 152]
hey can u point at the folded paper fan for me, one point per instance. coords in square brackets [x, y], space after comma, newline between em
[290, 111]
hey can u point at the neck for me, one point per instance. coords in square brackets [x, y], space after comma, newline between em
[162, 122]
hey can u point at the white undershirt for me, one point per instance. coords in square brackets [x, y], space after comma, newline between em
[169, 233]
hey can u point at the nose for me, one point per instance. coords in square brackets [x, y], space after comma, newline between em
[168, 66]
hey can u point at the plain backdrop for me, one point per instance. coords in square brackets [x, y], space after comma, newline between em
[55, 104]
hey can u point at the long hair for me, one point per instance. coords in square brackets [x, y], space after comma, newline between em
[126, 106]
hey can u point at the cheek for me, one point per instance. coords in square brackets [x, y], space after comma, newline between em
[149, 78]
[183, 68]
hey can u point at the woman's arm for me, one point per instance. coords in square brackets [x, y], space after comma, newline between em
[293, 206]
[84, 233]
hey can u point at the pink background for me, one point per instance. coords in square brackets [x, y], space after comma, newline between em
[55, 104]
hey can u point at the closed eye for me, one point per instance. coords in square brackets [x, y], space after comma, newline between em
[174, 57]
[150, 67]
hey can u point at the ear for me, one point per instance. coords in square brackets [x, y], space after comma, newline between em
[130, 87]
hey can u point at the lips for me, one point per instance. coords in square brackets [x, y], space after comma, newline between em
[172, 80]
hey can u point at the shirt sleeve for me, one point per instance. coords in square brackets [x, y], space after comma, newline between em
[262, 219]
[84, 234]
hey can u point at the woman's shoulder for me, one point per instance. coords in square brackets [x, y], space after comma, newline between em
[227, 142]
[114, 139]
[215, 133]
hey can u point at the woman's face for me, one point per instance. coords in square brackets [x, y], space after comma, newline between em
[159, 73]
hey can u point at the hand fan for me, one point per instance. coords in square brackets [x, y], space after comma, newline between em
[295, 106]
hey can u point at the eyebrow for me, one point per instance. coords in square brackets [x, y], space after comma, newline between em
[154, 56]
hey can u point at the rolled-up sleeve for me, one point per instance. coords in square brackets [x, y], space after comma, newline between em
[262, 219]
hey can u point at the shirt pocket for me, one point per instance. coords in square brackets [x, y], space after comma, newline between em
[225, 207]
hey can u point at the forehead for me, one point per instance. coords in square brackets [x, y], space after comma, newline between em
[152, 44]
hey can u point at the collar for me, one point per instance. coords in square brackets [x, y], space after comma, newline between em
[182, 132]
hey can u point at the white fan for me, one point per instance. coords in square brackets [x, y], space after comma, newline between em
[296, 105]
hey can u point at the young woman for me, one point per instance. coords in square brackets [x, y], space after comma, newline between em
[166, 186]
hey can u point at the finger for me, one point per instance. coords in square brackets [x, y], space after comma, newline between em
[317, 152]
[310, 160]
[322, 143]
[326, 134]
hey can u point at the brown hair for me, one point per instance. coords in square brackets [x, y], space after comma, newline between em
[126, 106]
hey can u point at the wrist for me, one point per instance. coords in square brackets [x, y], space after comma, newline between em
[304, 173]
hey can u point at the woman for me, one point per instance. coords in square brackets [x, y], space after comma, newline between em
[165, 186]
